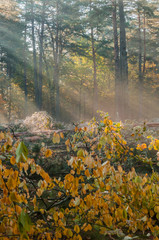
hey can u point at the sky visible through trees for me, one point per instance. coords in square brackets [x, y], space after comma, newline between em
[72, 58]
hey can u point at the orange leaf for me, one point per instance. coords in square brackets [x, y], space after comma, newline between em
[88, 228]
[48, 153]
[48, 236]
[61, 135]
[12, 160]
[87, 173]
[18, 209]
[1, 136]
[76, 228]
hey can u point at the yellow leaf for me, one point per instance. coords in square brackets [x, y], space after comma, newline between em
[39, 192]
[69, 233]
[18, 209]
[56, 138]
[89, 161]
[67, 211]
[45, 176]
[110, 122]
[87, 173]
[9, 140]
[152, 213]
[76, 229]
[108, 220]
[77, 237]
[117, 199]
[61, 135]
[61, 215]
[1, 136]
[59, 194]
[12, 160]
[34, 201]
[102, 185]
[48, 153]
[42, 210]
[106, 130]
[141, 147]
[58, 235]
[156, 209]
[76, 129]
[120, 169]
[108, 187]
[48, 236]
[13, 197]
[88, 228]
[55, 216]
[103, 230]
[11, 183]
[67, 142]
[80, 153]
[60, 223]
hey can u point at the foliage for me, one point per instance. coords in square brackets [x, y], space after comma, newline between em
[97, 194]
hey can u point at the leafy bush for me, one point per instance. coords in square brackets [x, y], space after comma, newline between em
[97, 194]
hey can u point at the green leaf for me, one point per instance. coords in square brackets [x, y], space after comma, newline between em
[25, 236]
[102, 141]
[138, 179]
[124, 213]
[80, 153]
[21, 153]
[101, 125]
[157, 216]
[24, 222]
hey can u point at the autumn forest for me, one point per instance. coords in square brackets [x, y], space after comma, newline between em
[79, 121]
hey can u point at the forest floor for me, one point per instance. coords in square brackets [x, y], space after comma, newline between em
[37, 132]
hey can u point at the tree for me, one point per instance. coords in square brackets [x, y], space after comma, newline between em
[25, 57]
[123, 63]
[116, 59]
[36, 86]
[41, 50]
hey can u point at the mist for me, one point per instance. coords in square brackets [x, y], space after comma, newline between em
[74, 58]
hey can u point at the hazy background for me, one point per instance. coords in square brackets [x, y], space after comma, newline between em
[74, 57]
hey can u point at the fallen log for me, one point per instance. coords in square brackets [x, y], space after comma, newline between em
[154, 124]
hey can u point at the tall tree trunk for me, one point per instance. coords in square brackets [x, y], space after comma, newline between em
[36, 87]
[56, 66]
[41, 36]
[140, 67]
[52, 84]
[123, 63]
[144, 63]
[57, 90]
[95, 87]
[49, 83]
[117, 62]
[25, 62]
